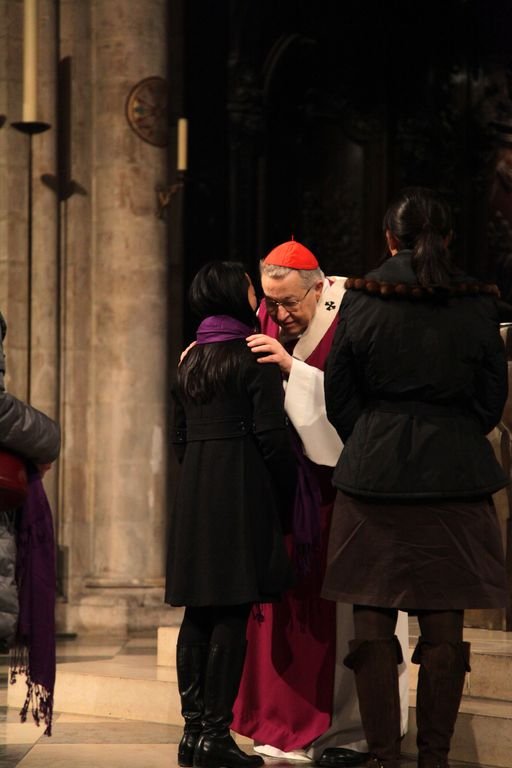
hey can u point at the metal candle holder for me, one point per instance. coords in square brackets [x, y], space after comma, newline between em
[30, 129]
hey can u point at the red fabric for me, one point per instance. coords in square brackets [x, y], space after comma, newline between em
[286, 693]
[13, 480]
[291, 254]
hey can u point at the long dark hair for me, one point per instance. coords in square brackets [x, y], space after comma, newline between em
[219, 288]
[420, 220]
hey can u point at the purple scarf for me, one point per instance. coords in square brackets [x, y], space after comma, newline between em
[306, 509]
[34, 652]
[222, 328]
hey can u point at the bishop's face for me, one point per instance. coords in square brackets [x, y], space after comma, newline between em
[289, 303]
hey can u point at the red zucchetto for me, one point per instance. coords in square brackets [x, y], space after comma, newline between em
[291, 254]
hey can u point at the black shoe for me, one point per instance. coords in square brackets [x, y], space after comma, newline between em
[186, 748]
[339, 757]
[222, 752]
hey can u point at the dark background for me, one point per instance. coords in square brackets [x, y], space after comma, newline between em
[306, 117]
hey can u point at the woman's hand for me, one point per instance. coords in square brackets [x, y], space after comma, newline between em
[275, 352]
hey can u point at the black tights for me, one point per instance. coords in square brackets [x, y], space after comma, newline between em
[436, 626]
[219, 624]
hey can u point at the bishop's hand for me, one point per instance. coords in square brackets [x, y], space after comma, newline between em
[272, 351]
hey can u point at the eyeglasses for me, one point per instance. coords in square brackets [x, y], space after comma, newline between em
[289, 305]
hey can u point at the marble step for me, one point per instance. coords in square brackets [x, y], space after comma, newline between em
[490, 678]
[124, 685]
[491, 670]
[491, 663]
[127, 684]
[166, 646]
[483, 732]
[138, 682]
[484, 726]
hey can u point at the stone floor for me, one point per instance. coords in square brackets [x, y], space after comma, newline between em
[80, 741]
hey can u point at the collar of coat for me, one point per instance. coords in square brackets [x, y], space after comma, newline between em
[395, 278]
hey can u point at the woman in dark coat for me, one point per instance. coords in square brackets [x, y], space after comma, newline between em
[416, 379]
[226, 548]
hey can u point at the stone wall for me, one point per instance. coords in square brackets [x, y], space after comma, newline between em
[98, 351]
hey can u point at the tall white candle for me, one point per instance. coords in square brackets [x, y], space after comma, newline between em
[29, 60]
[182, 144]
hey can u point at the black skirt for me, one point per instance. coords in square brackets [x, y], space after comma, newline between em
[441, 555]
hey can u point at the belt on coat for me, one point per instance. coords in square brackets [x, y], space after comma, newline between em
[417, 408]
[213, 430]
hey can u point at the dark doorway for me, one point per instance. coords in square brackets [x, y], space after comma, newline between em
[305, 117]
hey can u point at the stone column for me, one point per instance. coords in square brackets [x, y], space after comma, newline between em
[99, 358]
[45, 273]
[128, 333]
[11, 206]
[76, 529]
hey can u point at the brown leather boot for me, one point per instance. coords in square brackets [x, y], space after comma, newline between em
[443, 668]
[375, 664]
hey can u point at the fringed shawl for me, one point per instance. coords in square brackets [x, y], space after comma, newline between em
[34, 652]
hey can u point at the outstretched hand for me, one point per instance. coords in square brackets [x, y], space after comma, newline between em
[273, 351]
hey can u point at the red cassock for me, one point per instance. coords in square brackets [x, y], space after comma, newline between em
[286, 693]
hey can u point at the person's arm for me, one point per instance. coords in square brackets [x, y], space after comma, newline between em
[491, 383]
[343, 400]
[304, 401]
[28, 432]
[178, 427]
[305, 406]
[23, 429]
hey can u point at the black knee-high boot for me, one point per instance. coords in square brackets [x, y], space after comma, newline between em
[191, 659]
[215, 747]
[443, 668]
[375, 664]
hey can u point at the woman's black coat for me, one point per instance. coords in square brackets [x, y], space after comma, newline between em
[238, 475]
[414, 382]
